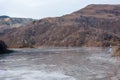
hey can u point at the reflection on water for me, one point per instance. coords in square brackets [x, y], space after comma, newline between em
[59, 64]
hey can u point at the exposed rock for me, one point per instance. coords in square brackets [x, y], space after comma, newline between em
[7, 22]
[3, 47]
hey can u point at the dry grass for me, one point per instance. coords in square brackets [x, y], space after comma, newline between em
[86, 27]
[116, 51]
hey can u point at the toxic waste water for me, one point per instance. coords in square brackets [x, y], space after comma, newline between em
[84, 63]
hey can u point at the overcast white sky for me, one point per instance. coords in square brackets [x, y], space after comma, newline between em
[45, 8]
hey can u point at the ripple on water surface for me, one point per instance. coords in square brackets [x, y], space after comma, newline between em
[32, 75]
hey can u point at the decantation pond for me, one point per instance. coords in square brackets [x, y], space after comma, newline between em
[84, 63]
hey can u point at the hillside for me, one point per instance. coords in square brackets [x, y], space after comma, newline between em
[7, 22]
[94, 25]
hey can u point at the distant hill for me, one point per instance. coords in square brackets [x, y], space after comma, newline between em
[7, 22]
[94, 25]
[4, 16]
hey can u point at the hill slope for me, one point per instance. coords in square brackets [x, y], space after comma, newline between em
[7, 22]
[94, 25]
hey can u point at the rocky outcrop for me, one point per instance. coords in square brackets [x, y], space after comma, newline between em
[7, 22]
[3, 47]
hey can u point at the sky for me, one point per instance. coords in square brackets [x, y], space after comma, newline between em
[38, 9]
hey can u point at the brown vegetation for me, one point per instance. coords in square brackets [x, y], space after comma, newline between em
[94, 25]
[116, 51]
